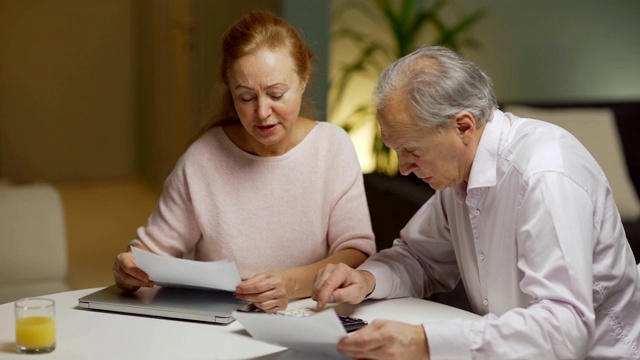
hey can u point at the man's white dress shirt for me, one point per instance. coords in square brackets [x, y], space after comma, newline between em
[538, 243]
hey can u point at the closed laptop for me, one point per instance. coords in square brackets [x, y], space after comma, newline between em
[213, 306]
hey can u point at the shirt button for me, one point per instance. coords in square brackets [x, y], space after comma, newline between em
[476, 212]
[481, 256]
[485, 302]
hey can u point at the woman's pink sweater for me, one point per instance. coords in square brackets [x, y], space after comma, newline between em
[263, 213]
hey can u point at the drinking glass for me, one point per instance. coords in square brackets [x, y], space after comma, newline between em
[35, 325]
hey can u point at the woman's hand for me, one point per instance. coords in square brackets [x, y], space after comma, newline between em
[268, 291]
[271, 290]
[128, 275]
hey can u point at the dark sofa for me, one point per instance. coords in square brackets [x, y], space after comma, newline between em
[393, 200]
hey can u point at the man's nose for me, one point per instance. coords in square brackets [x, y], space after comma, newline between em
[405, 167]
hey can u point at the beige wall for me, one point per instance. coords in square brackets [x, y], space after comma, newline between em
[66, 89]
[555, 51]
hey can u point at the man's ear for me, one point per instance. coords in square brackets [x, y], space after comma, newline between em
[465, 126]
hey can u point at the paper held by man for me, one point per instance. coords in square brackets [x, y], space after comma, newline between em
[316, 334]
[176, 272]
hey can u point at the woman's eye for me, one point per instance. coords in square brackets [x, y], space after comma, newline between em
[276, 96]
[246, 99]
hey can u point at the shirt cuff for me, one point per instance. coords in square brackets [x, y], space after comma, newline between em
[382, 273]
[447, 340]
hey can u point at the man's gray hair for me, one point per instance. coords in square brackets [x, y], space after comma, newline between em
[439, 84]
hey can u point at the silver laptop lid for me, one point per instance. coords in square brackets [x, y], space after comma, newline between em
[212, 306]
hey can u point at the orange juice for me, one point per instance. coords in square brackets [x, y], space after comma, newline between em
[35, 331]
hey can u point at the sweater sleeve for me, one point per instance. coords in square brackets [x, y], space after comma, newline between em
[172, 229]
[349, 221]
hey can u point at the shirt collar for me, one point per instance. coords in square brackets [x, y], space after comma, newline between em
[484, 168]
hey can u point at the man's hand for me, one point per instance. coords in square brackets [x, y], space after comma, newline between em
[268, 291]
[338, 283]
[127, 275]
[385, 339]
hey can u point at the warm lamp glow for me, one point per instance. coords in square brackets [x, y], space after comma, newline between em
[358, 92]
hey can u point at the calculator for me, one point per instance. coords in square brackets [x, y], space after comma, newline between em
[349, 323]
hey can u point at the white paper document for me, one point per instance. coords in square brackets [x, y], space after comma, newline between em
[168, 271]
[317, 333]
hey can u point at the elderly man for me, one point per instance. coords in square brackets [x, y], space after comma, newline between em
[522, 214]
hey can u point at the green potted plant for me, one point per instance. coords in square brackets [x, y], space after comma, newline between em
[403, 25]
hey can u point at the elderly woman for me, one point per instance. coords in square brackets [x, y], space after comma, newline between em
[277, 193]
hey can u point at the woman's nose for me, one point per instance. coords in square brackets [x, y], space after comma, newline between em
[264, 109]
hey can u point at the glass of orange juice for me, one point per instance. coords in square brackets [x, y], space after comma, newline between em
[35, 325]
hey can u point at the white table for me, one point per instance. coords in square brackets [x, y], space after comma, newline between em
[89, 334]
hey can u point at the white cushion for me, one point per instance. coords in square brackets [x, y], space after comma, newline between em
[597, 131]
[33, 244]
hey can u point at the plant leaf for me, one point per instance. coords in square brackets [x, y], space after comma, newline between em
[404, 20]
[360, 65]
[359, 117]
